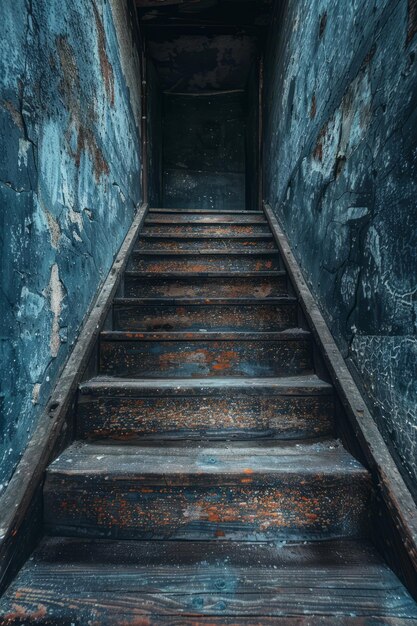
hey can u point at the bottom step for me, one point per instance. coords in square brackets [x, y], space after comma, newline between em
[105, 583]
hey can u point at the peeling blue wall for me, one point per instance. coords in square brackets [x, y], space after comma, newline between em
[69, 184]
[341, 173]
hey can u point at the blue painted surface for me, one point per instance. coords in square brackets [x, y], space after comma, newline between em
[69, 184]
[341, 174]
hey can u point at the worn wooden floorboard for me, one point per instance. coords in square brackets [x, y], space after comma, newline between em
[298, 408]
[210, 583]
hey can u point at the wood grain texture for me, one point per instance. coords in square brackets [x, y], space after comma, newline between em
[231, 409]
[142, 284]
[204, 242]
[205, 261]
[299, 491]
[151, 583]
[182, 218]
[199, 228]
[164, 355]
[238, 315]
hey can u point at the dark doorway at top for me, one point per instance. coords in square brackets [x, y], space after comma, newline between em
[204, 83]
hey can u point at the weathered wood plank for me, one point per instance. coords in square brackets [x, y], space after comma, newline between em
[194, 242]
[154, 211]
[215, 230]
[213, 285]
[205, 261]
[299, 491]
[181, 218]
[205, 354]
[123, 411]
[194, 316]
[216, 583]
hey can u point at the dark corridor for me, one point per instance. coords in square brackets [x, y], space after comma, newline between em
[204, 65]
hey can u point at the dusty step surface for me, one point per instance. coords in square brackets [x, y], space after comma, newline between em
[282, 408]
[205, 261]
[204, 228]
[205, 242]
[152, 211]
[78, 581]
[196, 354]
[209, 313]
[234, 490]
[201, 218]
[213, 284]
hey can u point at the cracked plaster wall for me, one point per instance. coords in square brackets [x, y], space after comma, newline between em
[69, 184]
[340, 172]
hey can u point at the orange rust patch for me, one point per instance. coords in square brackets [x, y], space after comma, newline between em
[105, 65]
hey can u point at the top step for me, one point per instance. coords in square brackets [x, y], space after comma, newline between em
[204, 218]
[207, 211]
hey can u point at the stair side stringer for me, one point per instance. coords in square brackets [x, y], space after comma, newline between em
[395, 517]
[21, 502]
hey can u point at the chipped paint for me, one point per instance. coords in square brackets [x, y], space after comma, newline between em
[69, 184]
[344, 184]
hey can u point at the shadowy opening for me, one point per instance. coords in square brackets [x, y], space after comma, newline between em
[204, 73]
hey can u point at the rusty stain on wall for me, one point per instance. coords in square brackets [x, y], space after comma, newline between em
[69, 184]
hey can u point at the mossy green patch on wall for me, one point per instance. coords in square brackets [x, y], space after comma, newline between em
[70, 172]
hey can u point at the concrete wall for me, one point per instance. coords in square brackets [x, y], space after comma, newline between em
[69, 184]
[340, 172]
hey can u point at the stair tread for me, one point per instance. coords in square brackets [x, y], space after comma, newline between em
[203, 301]
[196, 463]
[115, 582]
[204, 253]
[186, 236]
[192, 275]
[127, 386]
[291, 334]
[154, 210]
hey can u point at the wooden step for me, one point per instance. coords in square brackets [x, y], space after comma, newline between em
[238, 491]
[190, 355]
[205, 261]
[214, 314]
[214, 230]
[116, 583]
[186, 218]
[215, 409]
[204, 242]
[154, 211]
[260, 285]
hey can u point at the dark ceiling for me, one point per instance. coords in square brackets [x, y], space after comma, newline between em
[201, 46]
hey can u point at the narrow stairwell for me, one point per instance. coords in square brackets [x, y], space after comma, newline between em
[207, 483]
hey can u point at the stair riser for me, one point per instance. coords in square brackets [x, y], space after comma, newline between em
[217, 418]
[204, 287]
[295, 507]
[219, 230]
[205, 263]
[210, 317]
[160, 359]
[186, 218]
[166, 244]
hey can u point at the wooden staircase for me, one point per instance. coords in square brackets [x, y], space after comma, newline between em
[207, 484]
